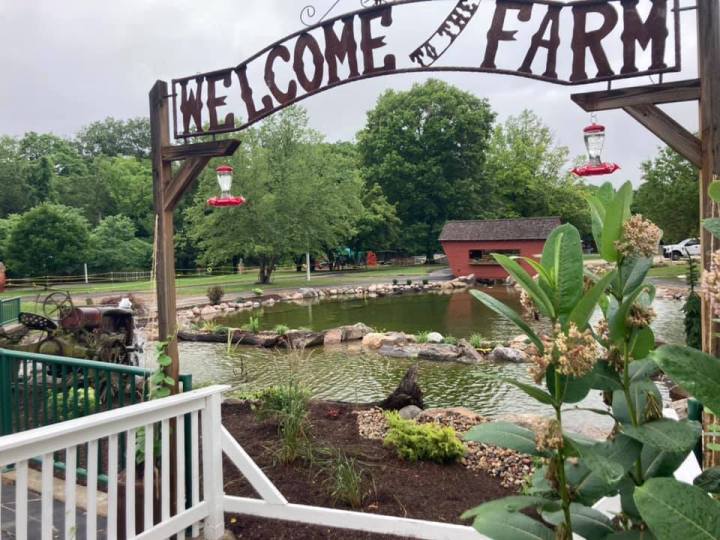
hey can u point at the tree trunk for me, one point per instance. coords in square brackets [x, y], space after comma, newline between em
[266, 270]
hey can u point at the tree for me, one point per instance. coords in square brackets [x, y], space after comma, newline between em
[114, 247]
[669, 195]
[48, 240]
[529, 176]
[116, 138]
[14, 191]
[302, 196]
[6, 228]
[426, 149]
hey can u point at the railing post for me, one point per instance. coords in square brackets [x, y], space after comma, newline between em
[6, 394]
[212, 467]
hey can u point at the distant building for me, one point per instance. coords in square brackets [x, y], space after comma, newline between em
[469, 245]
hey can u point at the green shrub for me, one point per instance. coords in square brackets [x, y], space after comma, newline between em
[395, 281]
[281, 329]
[425, 281]
[422, 337]
[210, 327]
[408, 282]
[346, 481]
[288, 405]
[423, 442]
[253, 325]
[215, 294]
[476, 341]
[257, 291]
[450, 340]
[78, 399]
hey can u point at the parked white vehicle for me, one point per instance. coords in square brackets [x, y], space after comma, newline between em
[688, 247]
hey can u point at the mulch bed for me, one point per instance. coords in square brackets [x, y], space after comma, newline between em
[394, 487]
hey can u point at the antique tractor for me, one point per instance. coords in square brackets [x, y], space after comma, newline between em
[103, 333]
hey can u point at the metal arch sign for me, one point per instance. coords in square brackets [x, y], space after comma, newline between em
[561, 43]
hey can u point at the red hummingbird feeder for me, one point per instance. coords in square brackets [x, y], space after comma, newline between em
[595, 142]
[226, 200]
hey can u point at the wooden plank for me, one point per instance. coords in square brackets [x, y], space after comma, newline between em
[130, 484]
[148, 477]
[70, 489]
[47, 496]
[112, 494]
[669, 131]
[205, 150]
[183, 180]
[358, 521]
[92, 485]
[249, 469]
[165, 470]
[189, 517]
[212, 471]
[653, 94]
[195, 467]
[21, 500]
[180, 465]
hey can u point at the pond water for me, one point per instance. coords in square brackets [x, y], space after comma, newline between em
[350, 374]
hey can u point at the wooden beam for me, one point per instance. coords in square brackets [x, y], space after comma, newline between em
[208, 149]
[183, 180]
[669, 131]
[652, 94]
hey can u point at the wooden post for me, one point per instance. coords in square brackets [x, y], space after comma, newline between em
[708, 24]
[165, 262]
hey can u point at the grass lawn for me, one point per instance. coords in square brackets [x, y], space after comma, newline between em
[281, 279]
[669, 272]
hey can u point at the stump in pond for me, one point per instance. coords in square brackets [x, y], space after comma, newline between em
[408, 393]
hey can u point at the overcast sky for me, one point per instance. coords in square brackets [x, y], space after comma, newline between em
[66, 63]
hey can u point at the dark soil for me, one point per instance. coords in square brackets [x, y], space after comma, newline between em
[392, 486]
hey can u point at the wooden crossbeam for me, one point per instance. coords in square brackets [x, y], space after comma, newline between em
[669, 131]
[182, 181]
[652, 94]
[208, 149]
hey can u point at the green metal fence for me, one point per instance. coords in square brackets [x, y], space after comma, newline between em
[38, 390]
[9, 310]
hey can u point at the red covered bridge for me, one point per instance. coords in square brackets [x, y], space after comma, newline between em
[469, 245]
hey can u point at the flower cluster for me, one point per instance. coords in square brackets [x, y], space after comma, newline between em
[640, 238]
[640, 316]
[711, 283]
[528, 306]
[574, 353]
[549, 435]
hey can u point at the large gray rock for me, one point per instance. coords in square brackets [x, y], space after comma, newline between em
[507, 354]
[398, 352]
[334, 336]
[439, 353]
[469, 354]
[411, 412]
[355, 332]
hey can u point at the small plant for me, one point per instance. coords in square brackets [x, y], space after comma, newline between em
[89, 302]
[346, 482]
[209, 327]
[693, 309]
[450, 340]
[422, 337]
[257, 291]
[425, 281]
[281, 329]
[215, 294]
[395, 282]
[476, 341]
[288, 405]
[408, 282]
[78, 401]
[423, 442]
[253, 325]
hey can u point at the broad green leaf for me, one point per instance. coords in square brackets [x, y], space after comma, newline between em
[605, 377]
[589, 523]
[709, 480]
[563, 256]
[597, 218]
[626, 490]
[609, 460]
[605, 193]
[573, 389]
[633, 272]
[639, 394]
[712, 225]
[502, 520]
[674, 510]
[631, 535]
[533, 391]
[587, 487]
[519, 274]
[697, 372]
[584, 309]
[655, 462]
[616, 214]
[667, 435]
[501, 309]
[644, 344]
[504, 435]
[618, 320]
[642, 369]
[714, 191]
[540, 269]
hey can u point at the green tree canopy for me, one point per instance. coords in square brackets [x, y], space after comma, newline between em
[48, 240]
[114, 247]
[302, 195]
[426, 149]
[669, 195]
[114, 138]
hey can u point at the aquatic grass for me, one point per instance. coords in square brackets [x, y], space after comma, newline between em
[281, 329]
[476, 341]
[422, 337]
[346, 481]
[253, 325]
[450, 340]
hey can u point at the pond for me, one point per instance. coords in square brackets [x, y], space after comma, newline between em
[350, 374]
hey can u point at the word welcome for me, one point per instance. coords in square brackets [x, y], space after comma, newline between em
[355, 46]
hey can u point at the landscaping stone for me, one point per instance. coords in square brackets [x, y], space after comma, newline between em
[302, 340]
[469, 354]
[333, 337]
[373, 341]
[507, 354]
[521, 343]
[435, 337]
[410, 412]
[398, 352]
[439, 353]
[355, 332]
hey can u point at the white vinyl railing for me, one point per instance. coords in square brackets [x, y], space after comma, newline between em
[148, 484]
